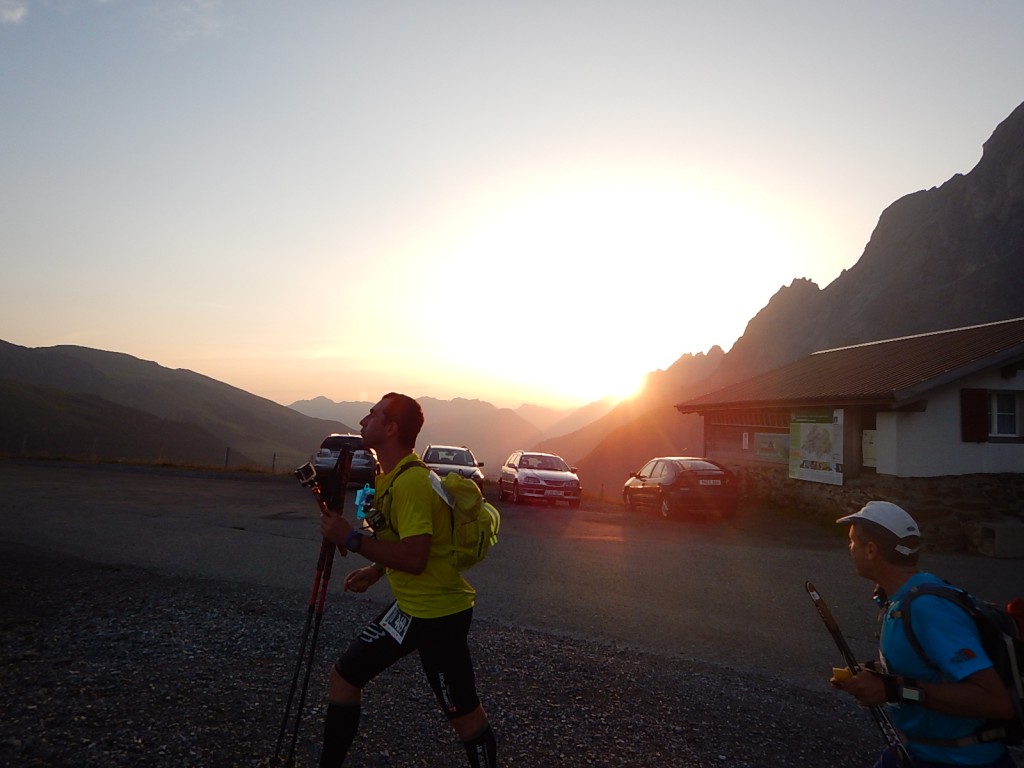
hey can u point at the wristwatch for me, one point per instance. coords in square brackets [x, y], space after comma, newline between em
[902, 689]
[353, 541]
[910, 691]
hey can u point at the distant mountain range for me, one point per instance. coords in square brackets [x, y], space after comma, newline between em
[941, 258]
[69, 401]
[491, 433]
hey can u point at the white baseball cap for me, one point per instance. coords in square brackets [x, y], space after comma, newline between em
[891, 517]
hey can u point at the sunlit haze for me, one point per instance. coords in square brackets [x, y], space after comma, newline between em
[520, 202]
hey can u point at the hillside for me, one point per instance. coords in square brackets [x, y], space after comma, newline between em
[41, 420]
[75, 401]
[655, 404]
[941, 258]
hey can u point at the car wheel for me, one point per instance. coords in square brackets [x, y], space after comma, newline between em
[516, 498]
[664, 506]
[501, 492]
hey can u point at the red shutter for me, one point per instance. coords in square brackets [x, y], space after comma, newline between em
[974, 415]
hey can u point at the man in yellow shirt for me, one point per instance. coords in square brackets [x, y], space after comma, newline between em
[433, 606]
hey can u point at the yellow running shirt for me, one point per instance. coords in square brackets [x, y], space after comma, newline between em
[412, 507]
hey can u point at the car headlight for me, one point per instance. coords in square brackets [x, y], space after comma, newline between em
[531, 480]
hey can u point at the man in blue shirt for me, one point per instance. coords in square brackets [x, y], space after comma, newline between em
[934, 710]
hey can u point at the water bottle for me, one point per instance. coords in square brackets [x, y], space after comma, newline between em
[364, 501]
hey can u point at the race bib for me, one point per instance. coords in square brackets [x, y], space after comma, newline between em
[396, 623]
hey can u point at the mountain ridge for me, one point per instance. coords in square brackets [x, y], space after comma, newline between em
[945, 257]
[486, 429]
[257, 431]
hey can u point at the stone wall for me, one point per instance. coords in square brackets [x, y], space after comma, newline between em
[951, 511]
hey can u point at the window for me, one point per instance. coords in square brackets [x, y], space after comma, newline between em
[1003, 415]
[991, 415]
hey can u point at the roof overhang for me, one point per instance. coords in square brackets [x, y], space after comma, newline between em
[883, 403]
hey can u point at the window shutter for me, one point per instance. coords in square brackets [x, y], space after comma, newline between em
[974, 415]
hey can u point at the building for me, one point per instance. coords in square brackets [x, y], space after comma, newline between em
[937, 406]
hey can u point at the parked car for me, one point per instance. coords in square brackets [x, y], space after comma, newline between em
[364, 466]
[364, 461]
[445, 459]
[529, 475]
[673, 484]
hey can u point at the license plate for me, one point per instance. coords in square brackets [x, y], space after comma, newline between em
[553, 493]
[710, 482]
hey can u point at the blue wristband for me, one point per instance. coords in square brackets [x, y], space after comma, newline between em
[357, 537]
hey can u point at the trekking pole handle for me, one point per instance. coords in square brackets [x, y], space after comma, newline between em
[881, 717]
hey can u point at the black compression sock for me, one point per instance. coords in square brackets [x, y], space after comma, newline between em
[340, 726]
[482, 750]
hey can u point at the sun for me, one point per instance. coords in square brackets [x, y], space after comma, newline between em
[587, 288]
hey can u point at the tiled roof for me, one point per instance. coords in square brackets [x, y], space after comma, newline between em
[893, 372]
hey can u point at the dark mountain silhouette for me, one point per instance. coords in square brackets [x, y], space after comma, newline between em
[548, 421]
[645, 426]
[350, 412]
[946, 257]
[554, 422]
[941, 258]
[41, 420]
[75, 401]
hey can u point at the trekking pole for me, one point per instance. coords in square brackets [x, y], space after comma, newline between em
[318, 595]
[882, 720]
[328, 562]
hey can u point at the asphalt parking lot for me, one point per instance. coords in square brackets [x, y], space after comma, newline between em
[726, 593]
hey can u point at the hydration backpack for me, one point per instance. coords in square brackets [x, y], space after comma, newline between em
[475, 521]
[1002, 637]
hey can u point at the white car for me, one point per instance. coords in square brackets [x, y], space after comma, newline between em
[528, 475]
[445, 459]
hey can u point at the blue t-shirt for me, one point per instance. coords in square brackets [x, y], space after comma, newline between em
[950, 639]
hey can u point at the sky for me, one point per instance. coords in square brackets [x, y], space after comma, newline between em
[519, 202]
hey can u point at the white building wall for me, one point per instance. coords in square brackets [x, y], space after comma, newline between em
[928, 444]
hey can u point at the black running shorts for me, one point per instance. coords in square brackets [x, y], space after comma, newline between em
[443, 648]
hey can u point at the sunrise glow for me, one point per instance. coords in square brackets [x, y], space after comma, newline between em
[541, 204]
[592, 286]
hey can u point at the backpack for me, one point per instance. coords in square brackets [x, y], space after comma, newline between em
[475, 521]
[1002, 637]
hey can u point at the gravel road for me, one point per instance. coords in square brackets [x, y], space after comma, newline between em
[115, 663]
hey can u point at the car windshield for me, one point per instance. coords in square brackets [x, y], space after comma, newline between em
[438, 456]
[337, 443]
[543, 462]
